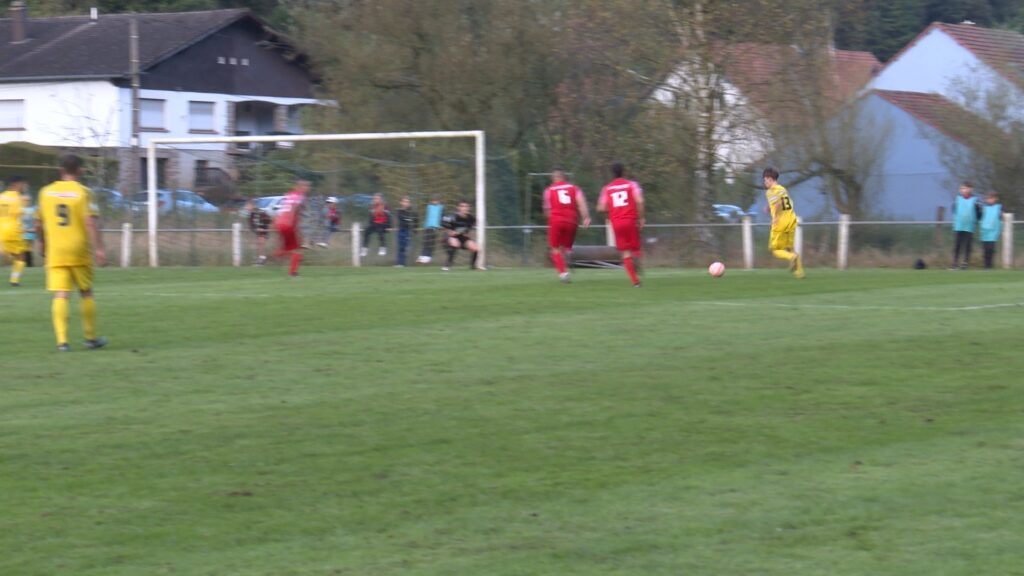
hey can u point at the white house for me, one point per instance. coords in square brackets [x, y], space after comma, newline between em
[66, 82]
[751, 79]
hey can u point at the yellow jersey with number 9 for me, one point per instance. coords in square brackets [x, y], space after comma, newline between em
[64, 208]
[10, 216]
[783, 216]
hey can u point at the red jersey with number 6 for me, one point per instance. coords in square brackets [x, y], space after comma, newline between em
[620, 197]
[560, 202]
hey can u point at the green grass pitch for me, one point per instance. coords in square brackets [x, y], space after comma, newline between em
[410, 422]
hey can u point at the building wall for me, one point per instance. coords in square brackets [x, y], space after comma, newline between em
[235, 60]
[909, 182]
[83, 114]
[740, 129]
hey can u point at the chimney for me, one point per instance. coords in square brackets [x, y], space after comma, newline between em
[19, 22]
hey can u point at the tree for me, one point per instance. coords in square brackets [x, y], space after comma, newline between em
[990, 139]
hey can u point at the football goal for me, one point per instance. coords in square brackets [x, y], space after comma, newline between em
[197, 188]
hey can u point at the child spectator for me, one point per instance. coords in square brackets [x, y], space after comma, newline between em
[259, 223]
[991, 226]
[407, 221]
[28, 226]
[380, 222]
[431, 224]
[966, 212]
[332, 221]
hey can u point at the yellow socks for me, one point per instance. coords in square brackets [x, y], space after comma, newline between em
[60, 319]
[16, 267]
[88, 308]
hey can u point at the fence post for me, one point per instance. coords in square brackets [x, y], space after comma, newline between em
[236, 244]
[1007, 249]
[126, 245]
[357, 240]
[747, 229]
[609, 234]
[843, 257]
[798, 240]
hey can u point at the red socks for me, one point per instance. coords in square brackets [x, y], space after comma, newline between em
[293, 269]
[559, 261]
[630, 269]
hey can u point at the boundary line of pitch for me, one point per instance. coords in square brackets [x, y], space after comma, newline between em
[858, 307]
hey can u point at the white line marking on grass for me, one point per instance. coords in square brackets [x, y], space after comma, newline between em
[867, 307]
[102, 294]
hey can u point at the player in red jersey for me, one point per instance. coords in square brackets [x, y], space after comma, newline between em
[564, 205]
[287, 225]
[623, 200]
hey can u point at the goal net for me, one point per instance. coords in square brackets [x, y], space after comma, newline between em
[198, 192]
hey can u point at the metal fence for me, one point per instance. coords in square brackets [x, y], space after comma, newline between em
[837, 244]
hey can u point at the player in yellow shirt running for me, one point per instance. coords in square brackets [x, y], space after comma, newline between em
[12, 237]
[783, 233]
[70, 240]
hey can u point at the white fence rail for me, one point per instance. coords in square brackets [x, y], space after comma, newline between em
[211, 240]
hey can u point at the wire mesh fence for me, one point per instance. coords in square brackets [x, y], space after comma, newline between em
[210, 242]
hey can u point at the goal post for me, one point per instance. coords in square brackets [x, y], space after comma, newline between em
[479, 150]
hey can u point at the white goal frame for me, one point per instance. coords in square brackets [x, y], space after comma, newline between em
[478, 137]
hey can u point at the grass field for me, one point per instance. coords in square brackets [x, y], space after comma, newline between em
[411, 422]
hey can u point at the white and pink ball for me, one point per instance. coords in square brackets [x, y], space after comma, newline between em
[716, 269]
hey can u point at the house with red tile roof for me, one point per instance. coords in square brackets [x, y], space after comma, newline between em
[915, 111]
[945, 56]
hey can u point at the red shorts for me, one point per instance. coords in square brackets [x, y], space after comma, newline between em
[289, 238]
[627, 235]
[561, 234]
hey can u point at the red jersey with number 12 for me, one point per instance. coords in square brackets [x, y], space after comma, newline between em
[560, 202]
[620, 197]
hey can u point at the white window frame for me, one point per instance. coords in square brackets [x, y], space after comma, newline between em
[143, 118]
[211, 127]
[15, 120]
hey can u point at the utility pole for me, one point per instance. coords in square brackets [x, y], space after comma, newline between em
[133, 51]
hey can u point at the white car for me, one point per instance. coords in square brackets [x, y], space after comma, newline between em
[179, 200]
[272, 205]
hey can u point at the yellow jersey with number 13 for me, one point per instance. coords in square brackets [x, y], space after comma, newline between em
[783, 216]
[64, 208]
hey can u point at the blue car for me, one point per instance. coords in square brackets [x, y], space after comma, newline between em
[109, 199]
[356, 200]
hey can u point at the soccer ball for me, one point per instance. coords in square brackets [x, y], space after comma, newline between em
[716, 269]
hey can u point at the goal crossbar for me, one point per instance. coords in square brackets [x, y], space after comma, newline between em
[478, 137]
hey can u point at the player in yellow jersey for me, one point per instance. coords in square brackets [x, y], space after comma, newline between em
[783, 233]
[12, 237]
[70, 240]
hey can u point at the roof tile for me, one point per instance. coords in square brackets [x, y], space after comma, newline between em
[76, 46]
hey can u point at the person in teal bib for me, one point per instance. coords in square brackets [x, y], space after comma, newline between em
[431, 224]
[991, 225]
[966, 212]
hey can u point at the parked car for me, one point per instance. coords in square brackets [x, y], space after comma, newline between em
[109, 199]
[272, 205]
[178, 200]
[356, 200]
[730, 213]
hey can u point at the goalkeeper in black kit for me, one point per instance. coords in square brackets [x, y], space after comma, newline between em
[460, 234]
